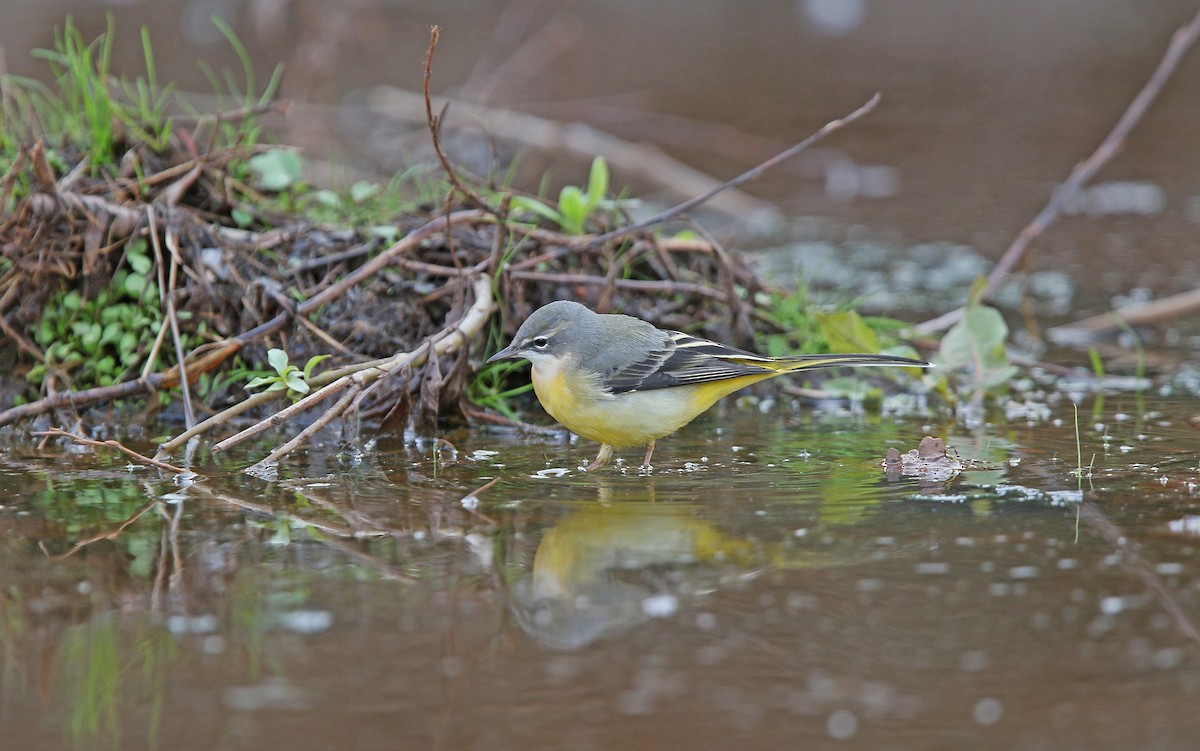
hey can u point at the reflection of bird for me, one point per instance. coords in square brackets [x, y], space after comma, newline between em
[622, 382]
[600, 571]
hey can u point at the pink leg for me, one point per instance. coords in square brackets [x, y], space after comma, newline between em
[602, 458]
[646, 462]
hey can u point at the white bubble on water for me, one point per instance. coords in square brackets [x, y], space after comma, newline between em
[987, 711]
[933, 567]
[842, 724]
[660, 606]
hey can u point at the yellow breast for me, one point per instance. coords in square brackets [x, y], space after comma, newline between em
[631, 419]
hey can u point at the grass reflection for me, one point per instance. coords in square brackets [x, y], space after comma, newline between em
[108, 673]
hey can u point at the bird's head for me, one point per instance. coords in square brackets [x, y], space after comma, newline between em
[550, 334]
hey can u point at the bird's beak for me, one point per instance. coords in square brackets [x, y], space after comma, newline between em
[508, 353]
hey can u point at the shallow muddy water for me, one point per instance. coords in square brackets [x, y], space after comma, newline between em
[767, 586]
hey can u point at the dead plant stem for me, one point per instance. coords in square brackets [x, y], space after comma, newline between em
[1181, 41]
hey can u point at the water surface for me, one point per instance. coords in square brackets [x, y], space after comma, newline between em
[767, 586]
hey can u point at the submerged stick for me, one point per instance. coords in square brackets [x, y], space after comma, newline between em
[113, 445]
[1133, 562]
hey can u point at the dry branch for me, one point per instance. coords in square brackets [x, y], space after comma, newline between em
[1181, 41]
[113, 445]
[584, 142]
[448, 340]
[741, 179]
[229, 347]
[1142, 314]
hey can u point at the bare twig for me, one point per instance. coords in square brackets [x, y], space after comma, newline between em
[637, 161]
[467, 503]
[508, 422]
[741, 179]
[230, 347]
[449, 340]
[1181, 41]
[217, 420]
[434, 121]
[641, 285]
[113, 445]
[28, 347]
[283, 415]
[1132, 561]
[1142, 314]
[309, 431]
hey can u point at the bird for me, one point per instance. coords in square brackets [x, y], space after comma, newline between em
[623, 382]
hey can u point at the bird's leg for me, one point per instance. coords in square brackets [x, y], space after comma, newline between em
[646, 462]
[602, 458]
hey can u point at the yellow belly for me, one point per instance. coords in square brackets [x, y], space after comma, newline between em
[631, 419]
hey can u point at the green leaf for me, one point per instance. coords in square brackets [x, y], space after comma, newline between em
[139, 263]
[91, 337]
[327, 198]
[362, 190]
[112, 332]
[277, 169]
[597, 183]
[845, 331]
[312, 363]
[387, 232]
[976, 343]
[241, 217]
[135, 285]
[72, 300]
[572, 207]
[295, 381]
[128, 342]
[277, 359]
[45, 332]
[261, 381]
[535, 206]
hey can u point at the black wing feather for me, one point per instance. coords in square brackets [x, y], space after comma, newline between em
[681, 359]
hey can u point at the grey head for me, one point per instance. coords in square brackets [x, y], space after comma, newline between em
[567, 332]
[551, 331]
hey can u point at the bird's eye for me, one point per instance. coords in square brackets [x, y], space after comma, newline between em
[541, 342]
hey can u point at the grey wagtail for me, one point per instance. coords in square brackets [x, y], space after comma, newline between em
[623, 382]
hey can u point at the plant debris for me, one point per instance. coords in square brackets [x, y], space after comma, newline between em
[214, 247]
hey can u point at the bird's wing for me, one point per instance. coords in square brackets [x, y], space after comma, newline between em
[678, 359]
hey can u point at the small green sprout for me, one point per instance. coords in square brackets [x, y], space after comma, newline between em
[277, 169]
[287, 376]
[574, 205]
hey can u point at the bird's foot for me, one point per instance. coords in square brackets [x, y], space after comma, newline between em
[602, 458]
[647, 467]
